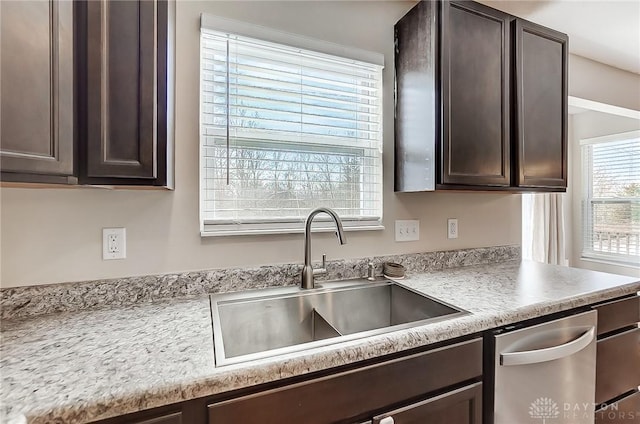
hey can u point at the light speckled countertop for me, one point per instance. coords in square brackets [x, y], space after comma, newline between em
[82, 366]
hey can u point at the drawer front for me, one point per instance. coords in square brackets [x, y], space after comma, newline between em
[618, 365]
[354, 393]
[625, 411]
[618, 314]
[462, 406]
[165, 419]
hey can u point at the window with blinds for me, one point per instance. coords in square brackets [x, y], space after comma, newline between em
[284, 130]
[611, 198]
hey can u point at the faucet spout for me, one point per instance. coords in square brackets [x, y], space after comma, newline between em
[307, 272]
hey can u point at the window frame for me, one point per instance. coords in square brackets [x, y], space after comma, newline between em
[587, 200]
[209, 228]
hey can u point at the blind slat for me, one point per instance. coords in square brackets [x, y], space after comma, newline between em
[364, 111]
[270, 95]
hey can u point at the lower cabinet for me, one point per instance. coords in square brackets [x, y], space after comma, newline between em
[461, 406]
[436, 386]
[618, 352]
[401, 385]
[187, 415]
[618, 365]
[618, 362]
[164, 419]
[623, 411]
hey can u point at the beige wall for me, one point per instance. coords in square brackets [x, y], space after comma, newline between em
[54, 235]
[602, 83]
[611, 86]
[588, 125]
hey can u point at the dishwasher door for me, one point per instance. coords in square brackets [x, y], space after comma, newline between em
[546, 373]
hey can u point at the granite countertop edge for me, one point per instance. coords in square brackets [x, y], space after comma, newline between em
[232, 377]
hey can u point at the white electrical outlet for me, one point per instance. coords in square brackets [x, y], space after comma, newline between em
[407, 230]
[452, 228]
[114, 243]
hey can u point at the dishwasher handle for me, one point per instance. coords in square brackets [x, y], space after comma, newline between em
[550, 353]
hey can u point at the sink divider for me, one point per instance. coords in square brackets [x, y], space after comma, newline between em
[322, 329]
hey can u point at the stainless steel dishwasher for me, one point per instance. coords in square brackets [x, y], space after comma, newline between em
[545, 373]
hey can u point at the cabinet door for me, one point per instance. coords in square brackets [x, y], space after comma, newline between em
[541, 103]
[36, 82]
[462, 406]
[125, 85]
[475, 95]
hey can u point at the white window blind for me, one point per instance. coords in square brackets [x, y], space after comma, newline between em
[611, 198]
[285, 130]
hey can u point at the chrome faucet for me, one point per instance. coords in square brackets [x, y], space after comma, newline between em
[308, 273]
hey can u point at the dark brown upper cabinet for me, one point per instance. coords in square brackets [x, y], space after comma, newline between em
[125, 89]
[475, 64]
[481, 101]
[85, 92]
[416, 115]
[124, 65]
[37, 86]
[541, 105]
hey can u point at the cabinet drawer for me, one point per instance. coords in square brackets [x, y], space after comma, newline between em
[618, 365]
[625, 411]
[462, 406]
[173, 418]
[618, 314]
[165, 419]
[354, 393]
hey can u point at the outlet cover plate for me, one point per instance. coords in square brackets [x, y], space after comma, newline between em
[407, 230]
[452, 228]
[114, 243]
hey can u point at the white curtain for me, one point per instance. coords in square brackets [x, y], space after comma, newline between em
[543, 228]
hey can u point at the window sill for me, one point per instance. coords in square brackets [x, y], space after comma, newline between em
[270, 231]
[608, 261]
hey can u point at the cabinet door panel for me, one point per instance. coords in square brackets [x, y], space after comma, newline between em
[475, 95]
[462, 406]
[121, 89]
[541, 90]
[36, 82]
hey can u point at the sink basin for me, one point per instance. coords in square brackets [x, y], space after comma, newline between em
[260, 323]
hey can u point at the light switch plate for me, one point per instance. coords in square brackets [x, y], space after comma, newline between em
[407, 230]
[114, 243]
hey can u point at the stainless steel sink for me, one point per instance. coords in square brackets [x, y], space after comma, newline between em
[260, 323]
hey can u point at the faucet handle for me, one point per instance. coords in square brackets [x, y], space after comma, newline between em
[323, 268]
